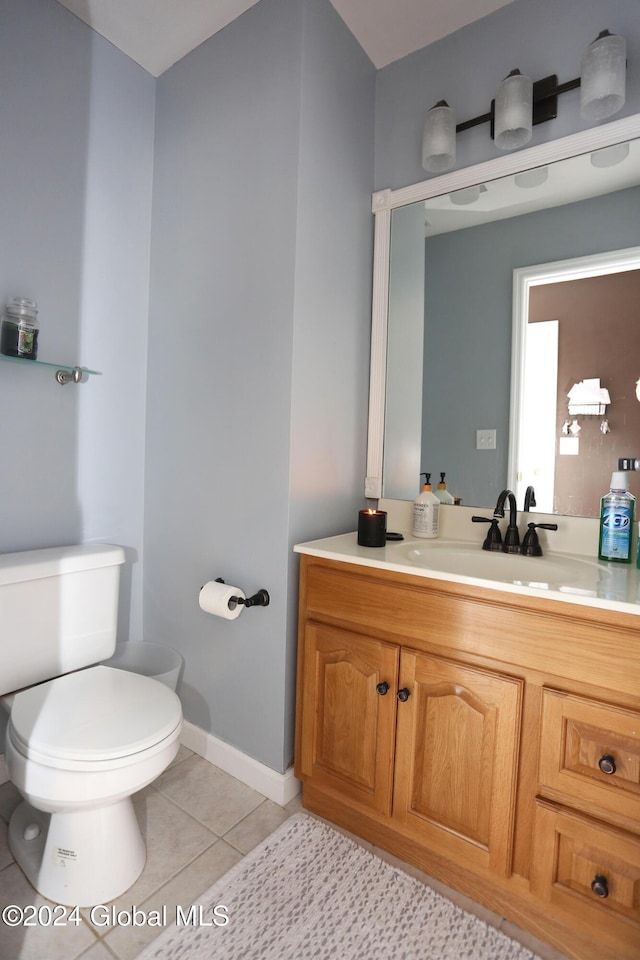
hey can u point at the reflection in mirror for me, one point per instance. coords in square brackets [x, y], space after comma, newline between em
[574, 407]
[456, 298]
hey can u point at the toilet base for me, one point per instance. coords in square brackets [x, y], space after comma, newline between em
[83, 858]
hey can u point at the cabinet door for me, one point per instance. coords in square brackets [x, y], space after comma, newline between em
[456, 762]
[348, 715]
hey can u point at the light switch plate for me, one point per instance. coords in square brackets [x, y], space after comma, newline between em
[485, 439]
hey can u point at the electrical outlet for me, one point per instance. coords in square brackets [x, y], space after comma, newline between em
[485, 439]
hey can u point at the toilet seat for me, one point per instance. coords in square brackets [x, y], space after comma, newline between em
[94, 719]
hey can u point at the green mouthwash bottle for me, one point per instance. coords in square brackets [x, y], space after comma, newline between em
[617, 511]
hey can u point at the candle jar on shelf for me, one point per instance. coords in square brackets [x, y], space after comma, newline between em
[19, 329]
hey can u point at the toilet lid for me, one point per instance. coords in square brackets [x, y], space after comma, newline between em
[95, 714]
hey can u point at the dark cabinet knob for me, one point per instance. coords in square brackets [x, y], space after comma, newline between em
[607, 764]
[404, 694]
[382, 688]
[599, 886]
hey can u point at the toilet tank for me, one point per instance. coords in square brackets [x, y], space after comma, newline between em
[58, 611]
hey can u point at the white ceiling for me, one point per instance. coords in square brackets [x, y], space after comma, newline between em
[158, 33]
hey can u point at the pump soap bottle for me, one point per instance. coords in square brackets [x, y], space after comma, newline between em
[426, 511]
[617, 511]
[442, 493]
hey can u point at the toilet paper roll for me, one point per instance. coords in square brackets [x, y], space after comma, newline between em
[218, 599]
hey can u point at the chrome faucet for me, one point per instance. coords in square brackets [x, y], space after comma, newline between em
[512, 537]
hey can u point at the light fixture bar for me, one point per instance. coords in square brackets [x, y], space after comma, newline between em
[485, 118]
[545, 103]
[520, 104]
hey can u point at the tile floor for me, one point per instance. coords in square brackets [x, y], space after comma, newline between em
[198, 822]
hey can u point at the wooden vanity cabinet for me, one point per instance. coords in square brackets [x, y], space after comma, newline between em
[429, 741]
[462, 729]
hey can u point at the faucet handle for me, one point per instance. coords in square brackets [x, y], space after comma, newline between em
[530, 544]
[493, 540]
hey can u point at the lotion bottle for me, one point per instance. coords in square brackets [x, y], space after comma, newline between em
[426, 511]
[442, 493]
[617, 510]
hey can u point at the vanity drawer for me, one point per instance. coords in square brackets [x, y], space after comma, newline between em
[591, 871]
[590, 756]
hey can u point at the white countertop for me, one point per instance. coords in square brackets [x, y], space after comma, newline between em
[571, 578]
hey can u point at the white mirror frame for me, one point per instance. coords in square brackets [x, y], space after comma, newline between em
[385, 201]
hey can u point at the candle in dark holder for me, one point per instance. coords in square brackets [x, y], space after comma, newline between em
[372, 528]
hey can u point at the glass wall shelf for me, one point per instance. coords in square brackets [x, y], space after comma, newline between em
[64, 372]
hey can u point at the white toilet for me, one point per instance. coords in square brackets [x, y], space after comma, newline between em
[79, 744]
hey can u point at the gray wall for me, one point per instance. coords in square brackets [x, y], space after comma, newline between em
[258, 350]
[332, 301]
[75, 193]
[539, 37]
[468, 296]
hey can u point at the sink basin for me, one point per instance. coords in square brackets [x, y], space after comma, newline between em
[562, 572]
[571, 577]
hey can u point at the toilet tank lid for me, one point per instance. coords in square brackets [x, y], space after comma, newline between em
[54, 561]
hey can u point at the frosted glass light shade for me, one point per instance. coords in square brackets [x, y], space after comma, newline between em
[467, 195]
[603, 79]
[513, 111]
[610, 156]
[439, 139]
[531, 178]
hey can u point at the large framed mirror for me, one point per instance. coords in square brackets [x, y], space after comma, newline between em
[530, 262]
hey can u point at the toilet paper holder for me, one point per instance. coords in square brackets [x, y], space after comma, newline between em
[259, 599]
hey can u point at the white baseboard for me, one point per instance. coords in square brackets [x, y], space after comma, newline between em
[279, 787]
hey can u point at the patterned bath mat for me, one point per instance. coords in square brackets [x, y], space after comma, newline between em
[310, 893]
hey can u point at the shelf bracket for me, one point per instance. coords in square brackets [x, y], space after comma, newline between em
[76, 375]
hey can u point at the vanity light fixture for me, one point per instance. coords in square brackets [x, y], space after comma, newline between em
[439, 140]
[513, 112]
[604, 67]
[610, 156]
[521, 104]
[467, 195]
[531, 178]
